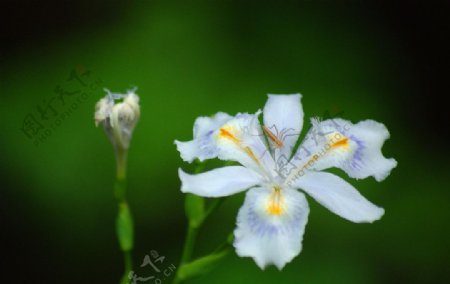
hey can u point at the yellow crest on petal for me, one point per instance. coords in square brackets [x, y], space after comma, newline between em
[276, 204]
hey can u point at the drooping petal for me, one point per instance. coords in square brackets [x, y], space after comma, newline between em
[354, 148]
[219, 182]
[283, 121]
[339, 197]
[203, 145]
[241, 139]
[270, 226]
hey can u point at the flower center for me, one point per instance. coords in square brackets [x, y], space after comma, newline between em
[276, 204]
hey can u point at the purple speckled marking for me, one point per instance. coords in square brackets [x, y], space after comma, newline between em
[206, 145]
[356, 161]
[261, 228]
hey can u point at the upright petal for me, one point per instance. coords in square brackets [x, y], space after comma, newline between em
[240, 139]
[283, 121]
[354, 148]
[339, 197]
[203, 145]
[219, 182]
[270, 226]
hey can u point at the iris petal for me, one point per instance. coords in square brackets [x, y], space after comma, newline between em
[271, 237]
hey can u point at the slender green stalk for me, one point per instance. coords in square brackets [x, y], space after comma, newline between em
[197, 215]
[128, 262]
[189, 243]
[214, 205]
[121, 162]
[124, 222]
[121, 175]
[188, 248]
[226, 244]
[191, 235]
[192, 230]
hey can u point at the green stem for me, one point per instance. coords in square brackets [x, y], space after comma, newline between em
[214, 205]
[128, 262]
[193, 229]
[226, 244]
[176, 280]
[128, 268]
[188, 248]
[191, 235]
[124, 223]
[121, 167]
[189, 243]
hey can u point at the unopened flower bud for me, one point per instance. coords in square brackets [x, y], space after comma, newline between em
[119, 114]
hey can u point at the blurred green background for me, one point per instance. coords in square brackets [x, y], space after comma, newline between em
[364, 60]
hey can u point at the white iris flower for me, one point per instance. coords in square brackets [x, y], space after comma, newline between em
[272, 220]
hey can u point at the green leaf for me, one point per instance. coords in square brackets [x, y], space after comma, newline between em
[201, 265]
[124, 226]
[195, 209]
